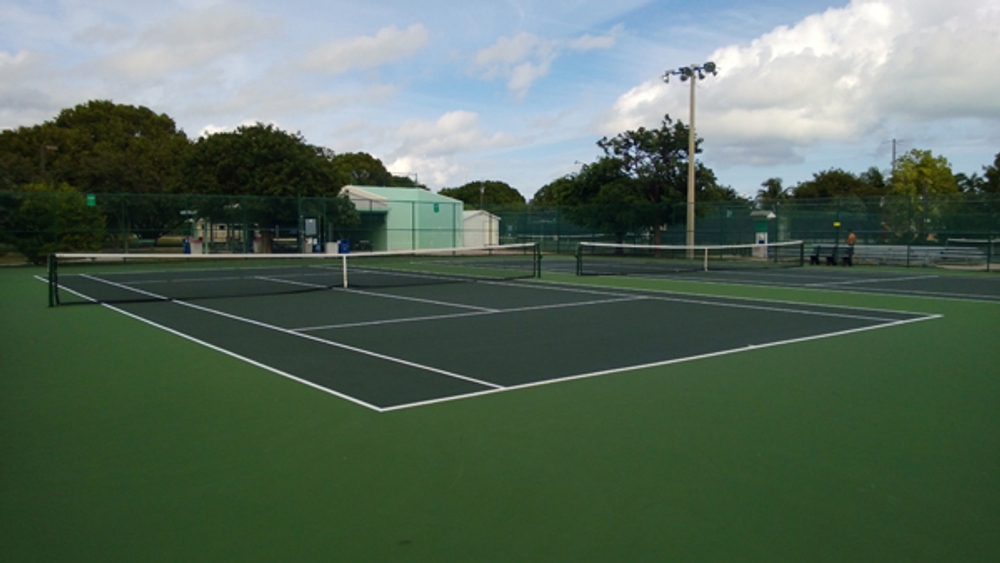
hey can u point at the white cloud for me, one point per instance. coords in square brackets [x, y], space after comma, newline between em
[20, 96]
[389, 45]
[434, 148]
[835, 77]
[525, 58]
[188, 40]
[453, 132]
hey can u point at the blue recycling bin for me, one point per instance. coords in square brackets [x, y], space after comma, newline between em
[344, 247]
[187, 245]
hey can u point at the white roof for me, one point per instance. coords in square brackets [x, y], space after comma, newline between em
[473, 213]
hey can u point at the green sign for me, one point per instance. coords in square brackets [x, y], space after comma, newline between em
[436, 208]
[91, 200]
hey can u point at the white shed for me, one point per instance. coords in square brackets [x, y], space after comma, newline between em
[481, 228]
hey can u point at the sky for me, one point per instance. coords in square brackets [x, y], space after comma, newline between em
[520, 91]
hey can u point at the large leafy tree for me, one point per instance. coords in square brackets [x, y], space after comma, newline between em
[97, 147]
[262, 160]
[922, 177]
[920, 173]
[656, 162]
[603, 197]
[830, 183]
[492, 193]
[361, 169]
[104, 148]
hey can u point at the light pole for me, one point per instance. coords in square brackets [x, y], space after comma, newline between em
[693, 73]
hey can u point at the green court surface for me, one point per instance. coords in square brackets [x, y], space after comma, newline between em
[618, 419]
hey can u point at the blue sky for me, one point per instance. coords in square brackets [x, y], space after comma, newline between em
[521, 91]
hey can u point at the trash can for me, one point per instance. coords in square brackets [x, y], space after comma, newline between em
[344, 247]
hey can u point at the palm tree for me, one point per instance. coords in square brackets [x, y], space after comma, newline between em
[772, 190]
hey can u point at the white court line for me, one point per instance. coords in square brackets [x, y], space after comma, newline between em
[885, 292]
[289, 282]
[126, 287]
[314, 339]
[393, 321]
[559, 286]
[223, 350]
[748, 348]
[420, 300]
[472, 314]
[245, 359]
[742, 305]
[876, 280]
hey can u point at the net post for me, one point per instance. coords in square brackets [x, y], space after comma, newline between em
[53, 281]
[538, 261]
[579, 258]
[706, 258]
[343, 269]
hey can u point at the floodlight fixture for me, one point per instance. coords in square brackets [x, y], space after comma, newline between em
[694, 73]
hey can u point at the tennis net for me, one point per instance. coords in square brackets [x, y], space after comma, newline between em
[116, 278]
[595, 258]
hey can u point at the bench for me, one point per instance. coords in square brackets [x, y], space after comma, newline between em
[830, 253]
[900, 255]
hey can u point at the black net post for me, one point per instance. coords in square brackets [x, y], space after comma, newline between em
[53, 275]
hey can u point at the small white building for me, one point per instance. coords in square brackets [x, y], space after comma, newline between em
[481, 228]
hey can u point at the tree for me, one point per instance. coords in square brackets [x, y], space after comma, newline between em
[991, 184]
[921, 176]
[875, 182]
[550, 194]
[262, 160]
[602, 197]
[360, 169]
[656, 161]
[829, 184]
[970, 185]
[480, 194]
[104, 148]
[920, 173]
[49, 218]
[772, 190]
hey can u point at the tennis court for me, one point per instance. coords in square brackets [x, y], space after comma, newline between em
[779, 270]
[501, 417]
[402, 346]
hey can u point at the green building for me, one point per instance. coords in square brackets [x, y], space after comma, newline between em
[404, 219]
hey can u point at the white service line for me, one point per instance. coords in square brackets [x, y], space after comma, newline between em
[746, 306]
[876, 280]
[289, 282]
[420, 300]
[339, 345]
[472, 314]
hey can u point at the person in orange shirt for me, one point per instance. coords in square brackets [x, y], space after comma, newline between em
[852, 239]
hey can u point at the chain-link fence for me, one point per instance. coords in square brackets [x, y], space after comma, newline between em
[35, 223]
